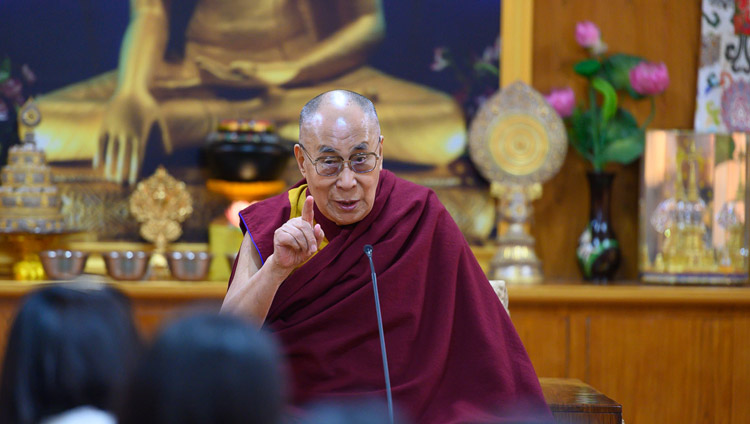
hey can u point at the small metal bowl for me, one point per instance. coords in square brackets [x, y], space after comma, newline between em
[63, 264]
[189, 266]
[127, 265]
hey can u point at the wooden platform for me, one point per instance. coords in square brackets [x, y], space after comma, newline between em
[573, 401]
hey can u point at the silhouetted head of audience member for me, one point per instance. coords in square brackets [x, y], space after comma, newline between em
[352, 412]
[207, 369]
[69, 346]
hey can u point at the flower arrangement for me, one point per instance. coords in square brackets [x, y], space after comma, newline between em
[14, 88]
[477, 76]
[602, 131]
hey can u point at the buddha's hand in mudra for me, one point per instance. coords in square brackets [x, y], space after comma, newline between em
[252, 73]
[127, 121]
[298, 239]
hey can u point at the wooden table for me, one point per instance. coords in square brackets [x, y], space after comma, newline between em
[573, 401]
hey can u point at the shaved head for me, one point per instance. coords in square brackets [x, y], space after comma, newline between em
[310, 117]
[340, 126]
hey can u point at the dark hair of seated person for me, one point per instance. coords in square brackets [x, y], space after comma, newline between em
[69, 346]
[207, 369]
[362, 411]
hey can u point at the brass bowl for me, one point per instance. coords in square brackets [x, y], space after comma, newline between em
[63, 264]
[189, 266]
[126, 265]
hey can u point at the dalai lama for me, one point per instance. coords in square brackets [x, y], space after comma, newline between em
[453, 354]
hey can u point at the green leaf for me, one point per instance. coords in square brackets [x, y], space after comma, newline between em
[624, 150]
[480, 67]
[622, 138]
[622, 123]
[723, 148]
[617, 69]
[587, 67]
[609, 104]
[578, 143]
[581, 132]
[634, 94]
[4, 69]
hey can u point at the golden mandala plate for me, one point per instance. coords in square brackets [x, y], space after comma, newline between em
[517, 137]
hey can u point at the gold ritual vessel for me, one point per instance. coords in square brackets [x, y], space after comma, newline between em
[517, 142]
[30, 217]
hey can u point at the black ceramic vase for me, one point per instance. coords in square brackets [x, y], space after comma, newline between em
[598, 250]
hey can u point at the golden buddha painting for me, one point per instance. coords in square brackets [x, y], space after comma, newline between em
[182, 67]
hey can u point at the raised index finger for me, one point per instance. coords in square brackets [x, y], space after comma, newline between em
[307, 210]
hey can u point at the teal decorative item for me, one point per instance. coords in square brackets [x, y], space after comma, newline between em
[598, 249]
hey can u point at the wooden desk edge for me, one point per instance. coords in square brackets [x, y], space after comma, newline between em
[135, 289]
[628, 294]
[573, 395]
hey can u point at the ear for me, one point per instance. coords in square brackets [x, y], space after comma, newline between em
[300, 157]
[382, 140]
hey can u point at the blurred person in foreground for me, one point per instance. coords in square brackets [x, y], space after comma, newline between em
[352, 412]
[70, 351]
[206, 369]
[453, 353]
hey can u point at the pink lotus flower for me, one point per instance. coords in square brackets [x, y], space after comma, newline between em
[563, 100]
[587, 34]
[649, 79]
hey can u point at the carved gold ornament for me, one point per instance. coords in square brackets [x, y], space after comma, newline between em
[29, 113]
[517, 141]
[517, 138]
[161, 203]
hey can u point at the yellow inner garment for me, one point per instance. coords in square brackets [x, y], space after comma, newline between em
[297, 201]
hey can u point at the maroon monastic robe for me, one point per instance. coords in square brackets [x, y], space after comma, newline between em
[453, 354]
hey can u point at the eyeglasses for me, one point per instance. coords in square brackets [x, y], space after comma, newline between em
[331, 166]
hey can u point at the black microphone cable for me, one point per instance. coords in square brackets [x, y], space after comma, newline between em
[368, 252]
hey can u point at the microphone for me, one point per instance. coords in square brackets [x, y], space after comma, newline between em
[368, 252]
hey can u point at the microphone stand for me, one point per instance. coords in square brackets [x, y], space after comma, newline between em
[368, 252]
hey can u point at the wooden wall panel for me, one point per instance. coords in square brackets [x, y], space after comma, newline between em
[740, 365]
[546, 334]
[667, 354]
[151, 314]
[659, 30]
[660, 366]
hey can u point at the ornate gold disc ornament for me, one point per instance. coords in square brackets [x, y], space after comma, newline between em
[517, 141]
[161, 203]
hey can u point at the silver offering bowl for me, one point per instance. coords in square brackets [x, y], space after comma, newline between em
[63, 264]
[127, 265]
[189, 266]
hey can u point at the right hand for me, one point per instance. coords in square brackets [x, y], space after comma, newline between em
[122, 139]
[297, 240]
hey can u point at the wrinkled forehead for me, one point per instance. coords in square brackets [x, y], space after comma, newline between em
[341, 128]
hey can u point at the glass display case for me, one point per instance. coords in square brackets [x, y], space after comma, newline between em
[692, 208]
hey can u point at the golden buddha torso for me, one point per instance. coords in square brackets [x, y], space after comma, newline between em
[223, 32]
[285, 51]
[267, 30]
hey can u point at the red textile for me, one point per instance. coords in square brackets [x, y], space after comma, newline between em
[453, 354]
